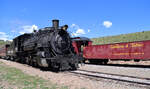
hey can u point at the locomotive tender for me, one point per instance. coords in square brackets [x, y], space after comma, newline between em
[49, 47]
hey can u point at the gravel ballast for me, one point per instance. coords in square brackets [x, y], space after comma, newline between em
[130, 71]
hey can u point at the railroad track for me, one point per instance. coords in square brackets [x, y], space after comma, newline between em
[123, 78]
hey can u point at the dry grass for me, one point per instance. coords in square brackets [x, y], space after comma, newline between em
[138, 36]
[13, 78]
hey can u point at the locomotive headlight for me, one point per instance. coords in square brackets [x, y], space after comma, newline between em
[65, 27]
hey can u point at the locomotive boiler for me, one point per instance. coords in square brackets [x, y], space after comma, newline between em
[48, 47]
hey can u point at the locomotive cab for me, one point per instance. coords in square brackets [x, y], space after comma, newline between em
[80, 42]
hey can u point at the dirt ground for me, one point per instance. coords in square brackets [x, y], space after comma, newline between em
[72, 81]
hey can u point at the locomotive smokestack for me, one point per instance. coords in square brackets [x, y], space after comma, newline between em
[55, 23]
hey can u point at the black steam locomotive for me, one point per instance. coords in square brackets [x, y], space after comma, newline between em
[48, 47]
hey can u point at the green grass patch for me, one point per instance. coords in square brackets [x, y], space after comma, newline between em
[138, 36]
[24, 81]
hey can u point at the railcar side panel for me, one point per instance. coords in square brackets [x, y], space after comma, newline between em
[2, 51]
[128, 50]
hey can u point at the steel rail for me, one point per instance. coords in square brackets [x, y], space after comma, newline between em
[124, 78]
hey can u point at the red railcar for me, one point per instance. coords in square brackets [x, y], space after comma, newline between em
[139, 50]
[2, 51]
[80, 42]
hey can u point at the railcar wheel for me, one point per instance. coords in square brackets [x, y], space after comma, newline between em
[31, 63]
[35, 64]
[105, 62]
[73, 67]
[136, 60]
[7, 58]
[12, 58]
[22, 60]
[100, 62]
[28, 61]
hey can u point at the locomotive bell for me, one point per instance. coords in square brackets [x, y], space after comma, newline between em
[65, 27]
[55, 23]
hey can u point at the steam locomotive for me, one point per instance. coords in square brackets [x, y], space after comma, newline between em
[48, 47]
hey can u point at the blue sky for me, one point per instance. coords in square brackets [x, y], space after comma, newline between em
[89, 18]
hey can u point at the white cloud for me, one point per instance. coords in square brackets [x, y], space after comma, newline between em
[78, 32]
[13, 31]
[107, 24]
[28, 29]
[74, 26]
[2, 33]
[21, 30]
[3, 36]
[89, 30]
